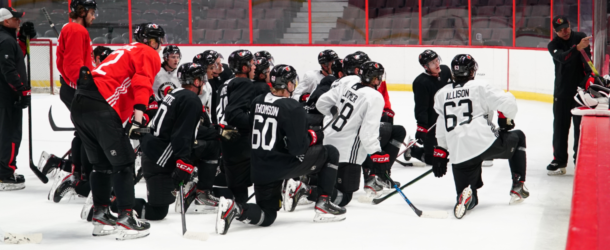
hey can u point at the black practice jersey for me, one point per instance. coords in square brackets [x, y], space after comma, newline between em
[570, 69]
[279, 136]
[322, 88]
[215, 83]
[173, 127]
[424, 88]
[235, 97]
[261, 88]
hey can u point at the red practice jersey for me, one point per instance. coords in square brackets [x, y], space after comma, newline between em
[126, 77]
[73, 52]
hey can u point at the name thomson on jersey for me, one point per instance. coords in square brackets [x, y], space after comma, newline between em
[458, 93]
[267, 109]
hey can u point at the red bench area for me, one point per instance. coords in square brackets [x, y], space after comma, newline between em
[590, 217]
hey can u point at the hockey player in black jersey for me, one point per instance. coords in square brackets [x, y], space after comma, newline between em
[283, 148]
[261, 76]
[235, 97]
[314, 117]
[220, 74]
[425, 87]
[465, 132]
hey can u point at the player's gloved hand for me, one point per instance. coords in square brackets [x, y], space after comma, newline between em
[135, 128]
[387, 116]
[228, 132]
[24, 98]
[381, 161]
[439, 162]
[27, 29]
[182, 172]
[422, 132]
[316, 137]
[304, 97]
[505, 124]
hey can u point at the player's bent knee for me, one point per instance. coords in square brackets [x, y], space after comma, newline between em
[348, 178]
[269, 217]
[521, 136]
[155, 212]
[399, 133]
[332, 154]
[385, 133]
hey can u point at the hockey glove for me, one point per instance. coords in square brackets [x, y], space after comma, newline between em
[228, 132]
[27, 29]
[421, 133]
[24, 99]
[304, 97]
[334, 110]
[505, 124]
[182, 172]
[135, 129]
[381, 161]
[316, 137]
[439, 163]
[387, 116]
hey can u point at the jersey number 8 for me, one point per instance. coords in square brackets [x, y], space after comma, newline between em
[347, 108]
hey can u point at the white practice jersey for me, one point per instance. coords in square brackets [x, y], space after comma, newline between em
[310, 81]
[350, 80]
[464, 126]
[206, 98]
[355, 131]
[164, 78]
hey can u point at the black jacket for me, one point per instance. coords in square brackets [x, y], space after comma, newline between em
[261, 88]
[424, 88]
[216, 82]
[13, 75]
[570, 68]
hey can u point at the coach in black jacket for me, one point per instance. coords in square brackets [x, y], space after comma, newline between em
[14, 94]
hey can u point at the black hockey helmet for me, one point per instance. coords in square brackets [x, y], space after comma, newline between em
[87, 4]
[171, 49]
[146, 31]
[240, 58]
[464, 67]
[351, 62]
[262, 66]
[370, 70]
[281, 75]
[265, 54]
[188, 72]
[105, 53]
[428, 56]
[337, 67]
[327, 56]
[206, 58]
[364, 55]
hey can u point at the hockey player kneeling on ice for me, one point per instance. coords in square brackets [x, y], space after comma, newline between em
[465, 132]
[312, 78]
[353, 110]
[283, 148]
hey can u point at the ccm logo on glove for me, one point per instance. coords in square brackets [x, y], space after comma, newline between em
[184, 167]
[380, 158]
[440, 153]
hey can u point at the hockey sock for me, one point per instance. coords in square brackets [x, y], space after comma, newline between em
[76, 156]
[328, 175]
[152, 212]
[83, 188]
[122, 181]
[101, 186]
[518, 162]
[206, 171]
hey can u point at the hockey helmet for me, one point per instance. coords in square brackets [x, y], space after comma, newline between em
[188, 72]
[265, 54]
[428, 56]
[146, 31]
[87, 4]
[105, 53]
[327, 56]
[262, 66]
[240, 58]
[371, 70]
[351, 62]
[282, 74]
[365, 56]
[337, 67]
[464, 67]
[171, 49]
[207, 58]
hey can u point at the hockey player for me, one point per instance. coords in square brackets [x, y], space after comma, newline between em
[282, 148]
[235, 97]
[99, 54]
[425, 86]
[166, 79]
[73, 52]
[354, 126]
[265, 54]
[312, 78]
[221, 74]
[314, 117]
[261, 76]
[464, 131]
[107, 97]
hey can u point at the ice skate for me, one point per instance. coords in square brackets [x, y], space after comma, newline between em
[65, 188]
[87, 211]
[189, 197]
[556, 168]
[13, 182]
[104, 223]
[50, 164]
[327, 211]
[227, 211]
[206, 202]
[464, 203]
[295, 191]
[519, 192]
[374, 187]
[130, 227]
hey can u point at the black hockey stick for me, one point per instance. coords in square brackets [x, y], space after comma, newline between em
[381, 199]
[249, 198]
[422, 214]
[55, 127]
[335, 116]
[33, 167]
[189, 235]
[46, 14]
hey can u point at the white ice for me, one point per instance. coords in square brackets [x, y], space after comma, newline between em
[540, 222]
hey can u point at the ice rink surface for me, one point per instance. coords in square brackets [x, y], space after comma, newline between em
[540, 222]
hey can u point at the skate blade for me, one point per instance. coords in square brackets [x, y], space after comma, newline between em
[11, 238]
[559, 171]
[132, 234]
[12, 186]
[434, 214]
[204, 209]
[103, 230]
[220, 222]
[515, 199]
[324, 218]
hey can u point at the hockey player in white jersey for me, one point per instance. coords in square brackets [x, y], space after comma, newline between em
[166, 79]
[352, 125]
[312, 78]
[464, 131]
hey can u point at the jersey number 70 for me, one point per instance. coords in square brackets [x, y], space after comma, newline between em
[450, 117]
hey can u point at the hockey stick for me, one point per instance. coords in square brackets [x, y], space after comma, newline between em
[584, 55]
[46, 14]
[189, 235]
[55, 127]
[381, 199]
[335, 117]
[33, 167]
[249, 198]
[422, 214]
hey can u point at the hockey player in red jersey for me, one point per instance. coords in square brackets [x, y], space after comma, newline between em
[106, 98]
